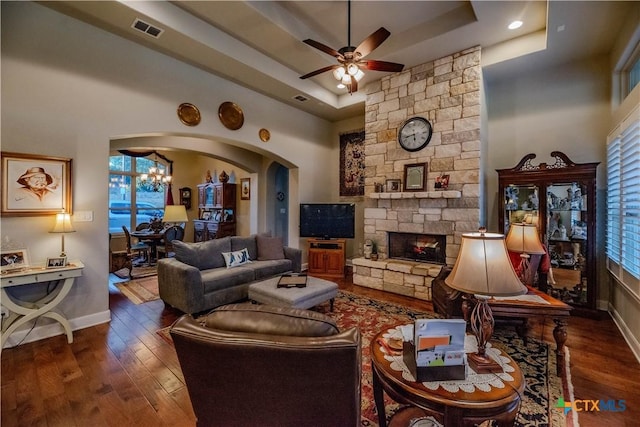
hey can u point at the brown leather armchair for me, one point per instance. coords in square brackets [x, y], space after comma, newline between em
[259, 365]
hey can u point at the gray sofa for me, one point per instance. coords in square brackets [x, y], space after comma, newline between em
[198, 278]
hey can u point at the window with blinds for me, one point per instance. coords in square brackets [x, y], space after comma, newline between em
[623, 202]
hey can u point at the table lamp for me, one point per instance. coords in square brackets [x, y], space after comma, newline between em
[483, 269]
[523, 239]
[175, 214]
[62, 226]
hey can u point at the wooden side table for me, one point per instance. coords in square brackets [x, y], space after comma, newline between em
[452, 403]
[21, 312]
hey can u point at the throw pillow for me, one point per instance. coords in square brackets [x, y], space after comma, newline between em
[269, 248]
[236, 258]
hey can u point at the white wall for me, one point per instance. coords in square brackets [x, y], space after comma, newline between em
[68, 89]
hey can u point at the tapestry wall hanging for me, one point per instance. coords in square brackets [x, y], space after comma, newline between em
[352, 164]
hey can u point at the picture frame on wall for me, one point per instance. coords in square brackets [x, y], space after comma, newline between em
[14, 260]
[393, 185]
[415, 177]
[35, 185]
[245, 188]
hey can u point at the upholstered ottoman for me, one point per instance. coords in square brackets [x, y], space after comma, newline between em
[316, 292]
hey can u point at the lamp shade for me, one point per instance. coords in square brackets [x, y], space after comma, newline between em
[175, 213]
[63, 224]
[523, 238]
[483, 267]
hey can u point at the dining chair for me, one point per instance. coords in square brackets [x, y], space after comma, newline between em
[142, 249]
[175, 232]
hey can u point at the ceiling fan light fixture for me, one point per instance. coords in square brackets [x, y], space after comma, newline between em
[338, 73]
[346, 79]
[352, 69]
[359, 75]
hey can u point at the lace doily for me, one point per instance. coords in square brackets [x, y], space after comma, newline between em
[473, 381]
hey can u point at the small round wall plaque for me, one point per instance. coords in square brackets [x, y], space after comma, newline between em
[264, 134]
[231, 115]
[189, 114]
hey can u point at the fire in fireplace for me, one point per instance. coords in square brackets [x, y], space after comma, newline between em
[418, 247]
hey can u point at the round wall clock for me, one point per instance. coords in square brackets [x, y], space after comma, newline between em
[189, 114]
[415, 134]
[264, 134]
[231, 115]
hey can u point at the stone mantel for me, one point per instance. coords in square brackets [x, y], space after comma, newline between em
[447, 194]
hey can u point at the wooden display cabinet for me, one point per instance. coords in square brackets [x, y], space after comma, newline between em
[560, 199]
[216, 211]
[326, 258]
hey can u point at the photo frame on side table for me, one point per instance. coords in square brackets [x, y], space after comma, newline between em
[245, 188]
[56, 262]
[35, 185]
[415, 177]
[14, 260]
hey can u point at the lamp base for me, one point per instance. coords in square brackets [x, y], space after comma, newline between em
[483, 364]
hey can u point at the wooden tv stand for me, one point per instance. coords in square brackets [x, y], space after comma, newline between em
[326, 258]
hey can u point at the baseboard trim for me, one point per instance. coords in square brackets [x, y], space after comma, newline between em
[631, 340]
[49, 330]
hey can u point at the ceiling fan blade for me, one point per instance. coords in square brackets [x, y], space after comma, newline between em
[353, 87]
[322, 47]
[320, 71]
[372, 42]
[374, 65]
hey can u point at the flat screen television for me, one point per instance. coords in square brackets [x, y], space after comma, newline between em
[327, 220]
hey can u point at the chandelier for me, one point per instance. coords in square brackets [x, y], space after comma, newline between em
[156, 178]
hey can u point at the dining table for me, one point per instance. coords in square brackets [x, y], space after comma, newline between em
[152, 238]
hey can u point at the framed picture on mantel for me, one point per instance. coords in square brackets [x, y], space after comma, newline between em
[415, 177]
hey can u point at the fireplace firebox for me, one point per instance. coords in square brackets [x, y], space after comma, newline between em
[418, 247]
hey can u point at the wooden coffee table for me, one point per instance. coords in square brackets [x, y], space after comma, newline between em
[524, 310]
[451, 408]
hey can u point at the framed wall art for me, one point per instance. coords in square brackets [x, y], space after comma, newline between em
[14, 260]
[245, 188]
[415, 177]
[35, 185]
[352, 164]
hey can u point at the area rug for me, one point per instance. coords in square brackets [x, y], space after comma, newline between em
[537, 360]
[140, 290]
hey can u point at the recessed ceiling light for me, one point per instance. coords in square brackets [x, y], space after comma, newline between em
[515, 24]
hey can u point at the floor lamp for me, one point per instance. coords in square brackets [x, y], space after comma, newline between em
[483, 269]
[523, 239]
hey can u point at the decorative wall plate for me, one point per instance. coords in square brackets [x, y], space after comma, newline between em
[264, 134]
[189, 114]
[231, 115]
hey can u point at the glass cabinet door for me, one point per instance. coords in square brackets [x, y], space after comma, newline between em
[521, 204]
[566, 236]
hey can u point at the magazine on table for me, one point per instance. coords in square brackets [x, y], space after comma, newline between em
[292, 280]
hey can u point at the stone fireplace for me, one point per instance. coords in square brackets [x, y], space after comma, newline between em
[447, 93]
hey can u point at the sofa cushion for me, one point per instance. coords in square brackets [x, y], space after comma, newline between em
[238, 242]
[271, 268]
[217, 279]
[271, 320]
[269, 248]
[202, 255]
[236, 258]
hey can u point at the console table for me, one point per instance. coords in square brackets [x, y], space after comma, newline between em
[21, 311]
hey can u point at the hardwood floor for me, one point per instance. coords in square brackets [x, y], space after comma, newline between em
[123, 373]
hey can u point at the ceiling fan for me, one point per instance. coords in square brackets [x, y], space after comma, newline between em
[351, 60]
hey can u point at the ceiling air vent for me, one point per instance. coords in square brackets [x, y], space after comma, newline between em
[300, 98]
[149, 29]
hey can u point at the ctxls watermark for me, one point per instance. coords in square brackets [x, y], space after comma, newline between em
[583, 405]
